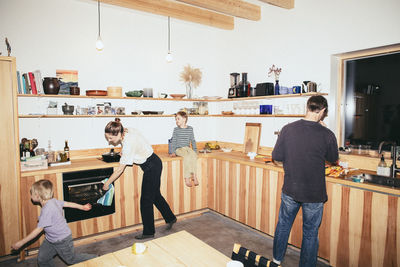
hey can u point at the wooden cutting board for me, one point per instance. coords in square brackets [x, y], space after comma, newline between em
[251, 137]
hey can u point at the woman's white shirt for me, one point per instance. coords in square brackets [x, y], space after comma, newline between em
[135, 148]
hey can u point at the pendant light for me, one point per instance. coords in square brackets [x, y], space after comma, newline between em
[168, 58]
[99, 42]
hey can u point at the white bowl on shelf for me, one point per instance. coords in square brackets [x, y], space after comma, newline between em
[226, 149]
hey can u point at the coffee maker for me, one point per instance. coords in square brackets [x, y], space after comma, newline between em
[234, 89]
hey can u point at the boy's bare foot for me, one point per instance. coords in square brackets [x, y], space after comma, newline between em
[196, 182]
[188, 182]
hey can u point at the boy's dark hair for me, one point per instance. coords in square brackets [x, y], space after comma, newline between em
[114, 127]
[317, 103]
[183, 114]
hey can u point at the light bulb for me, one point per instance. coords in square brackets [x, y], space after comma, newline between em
[99, 44]
[168, 58]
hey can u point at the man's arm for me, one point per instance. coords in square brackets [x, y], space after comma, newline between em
[28, 238]
[278, 152]
[332, 154]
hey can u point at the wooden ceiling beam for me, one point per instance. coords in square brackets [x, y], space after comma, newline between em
[288, 4]
[236, 8]
[178, 11]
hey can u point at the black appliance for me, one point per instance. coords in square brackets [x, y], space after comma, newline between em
[264, 89]
[84, 187]
[244, 86]
[233, 90]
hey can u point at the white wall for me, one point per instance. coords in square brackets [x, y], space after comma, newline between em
[59, 34]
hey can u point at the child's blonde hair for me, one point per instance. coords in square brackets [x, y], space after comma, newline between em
[43, 188]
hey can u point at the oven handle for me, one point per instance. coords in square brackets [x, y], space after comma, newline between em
[76, 185]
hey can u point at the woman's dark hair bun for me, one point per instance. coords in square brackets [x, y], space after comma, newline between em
[117, 119]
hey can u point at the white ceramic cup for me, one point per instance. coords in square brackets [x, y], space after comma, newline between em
[234, 264]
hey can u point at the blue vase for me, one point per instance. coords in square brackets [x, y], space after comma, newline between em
[276, 87]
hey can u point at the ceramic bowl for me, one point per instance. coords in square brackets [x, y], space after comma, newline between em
[136, 93]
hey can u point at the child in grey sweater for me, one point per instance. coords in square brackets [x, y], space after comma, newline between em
[58, 238]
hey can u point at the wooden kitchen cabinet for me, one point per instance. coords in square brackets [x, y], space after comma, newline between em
[359, 226]
[9, 156]
[181, 199]
[31, 211]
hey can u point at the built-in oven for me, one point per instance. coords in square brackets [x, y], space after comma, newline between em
[84, 187]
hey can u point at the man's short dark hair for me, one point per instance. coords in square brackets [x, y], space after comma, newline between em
[317, 103]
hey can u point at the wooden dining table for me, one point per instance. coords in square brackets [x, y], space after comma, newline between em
[177, 249]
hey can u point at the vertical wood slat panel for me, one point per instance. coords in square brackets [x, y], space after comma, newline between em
[273, 196]
[251, 206]
[242, 194]
[390, 257]
[204, 180]
[336, 200]
[325, 229]
[378, 227]
[258, 196]
[365, 258]
[210, 183]
[231, 190]
[343, 243]
[355, 222]
[29, 213]
[264, 225]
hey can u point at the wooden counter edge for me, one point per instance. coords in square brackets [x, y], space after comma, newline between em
[234, 156]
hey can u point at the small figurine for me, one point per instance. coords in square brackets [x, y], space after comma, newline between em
[8, 47]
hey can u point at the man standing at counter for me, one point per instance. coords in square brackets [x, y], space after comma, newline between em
[303, 147]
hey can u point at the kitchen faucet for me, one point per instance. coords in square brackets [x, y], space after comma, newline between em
[393, 167]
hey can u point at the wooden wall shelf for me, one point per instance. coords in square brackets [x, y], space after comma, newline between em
[173, 99]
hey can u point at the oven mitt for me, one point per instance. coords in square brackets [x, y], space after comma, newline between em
[107, 199]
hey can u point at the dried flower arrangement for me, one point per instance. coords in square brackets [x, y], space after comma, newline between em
[191, 76]
[276, 72]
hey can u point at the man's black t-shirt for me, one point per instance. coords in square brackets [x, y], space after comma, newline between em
[303, 147]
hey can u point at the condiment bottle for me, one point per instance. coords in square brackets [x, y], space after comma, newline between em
[383, 169]
[51, 157]
[66, 149]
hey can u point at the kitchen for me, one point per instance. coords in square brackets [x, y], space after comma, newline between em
[300, 40]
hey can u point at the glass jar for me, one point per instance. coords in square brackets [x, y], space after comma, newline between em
[203, 108]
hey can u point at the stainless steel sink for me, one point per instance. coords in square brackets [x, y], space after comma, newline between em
[375, 179]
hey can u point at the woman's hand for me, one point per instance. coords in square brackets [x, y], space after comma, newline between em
[172, 155]
[106, 187]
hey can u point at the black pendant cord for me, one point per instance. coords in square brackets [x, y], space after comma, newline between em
[169, 35]
[98, 13]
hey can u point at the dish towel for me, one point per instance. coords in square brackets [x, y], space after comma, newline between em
[107, 199]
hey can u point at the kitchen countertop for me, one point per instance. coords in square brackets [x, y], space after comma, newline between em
[233, 156]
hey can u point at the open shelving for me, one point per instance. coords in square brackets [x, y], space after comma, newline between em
[167, 99]
[175, 99]
[154, 116]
